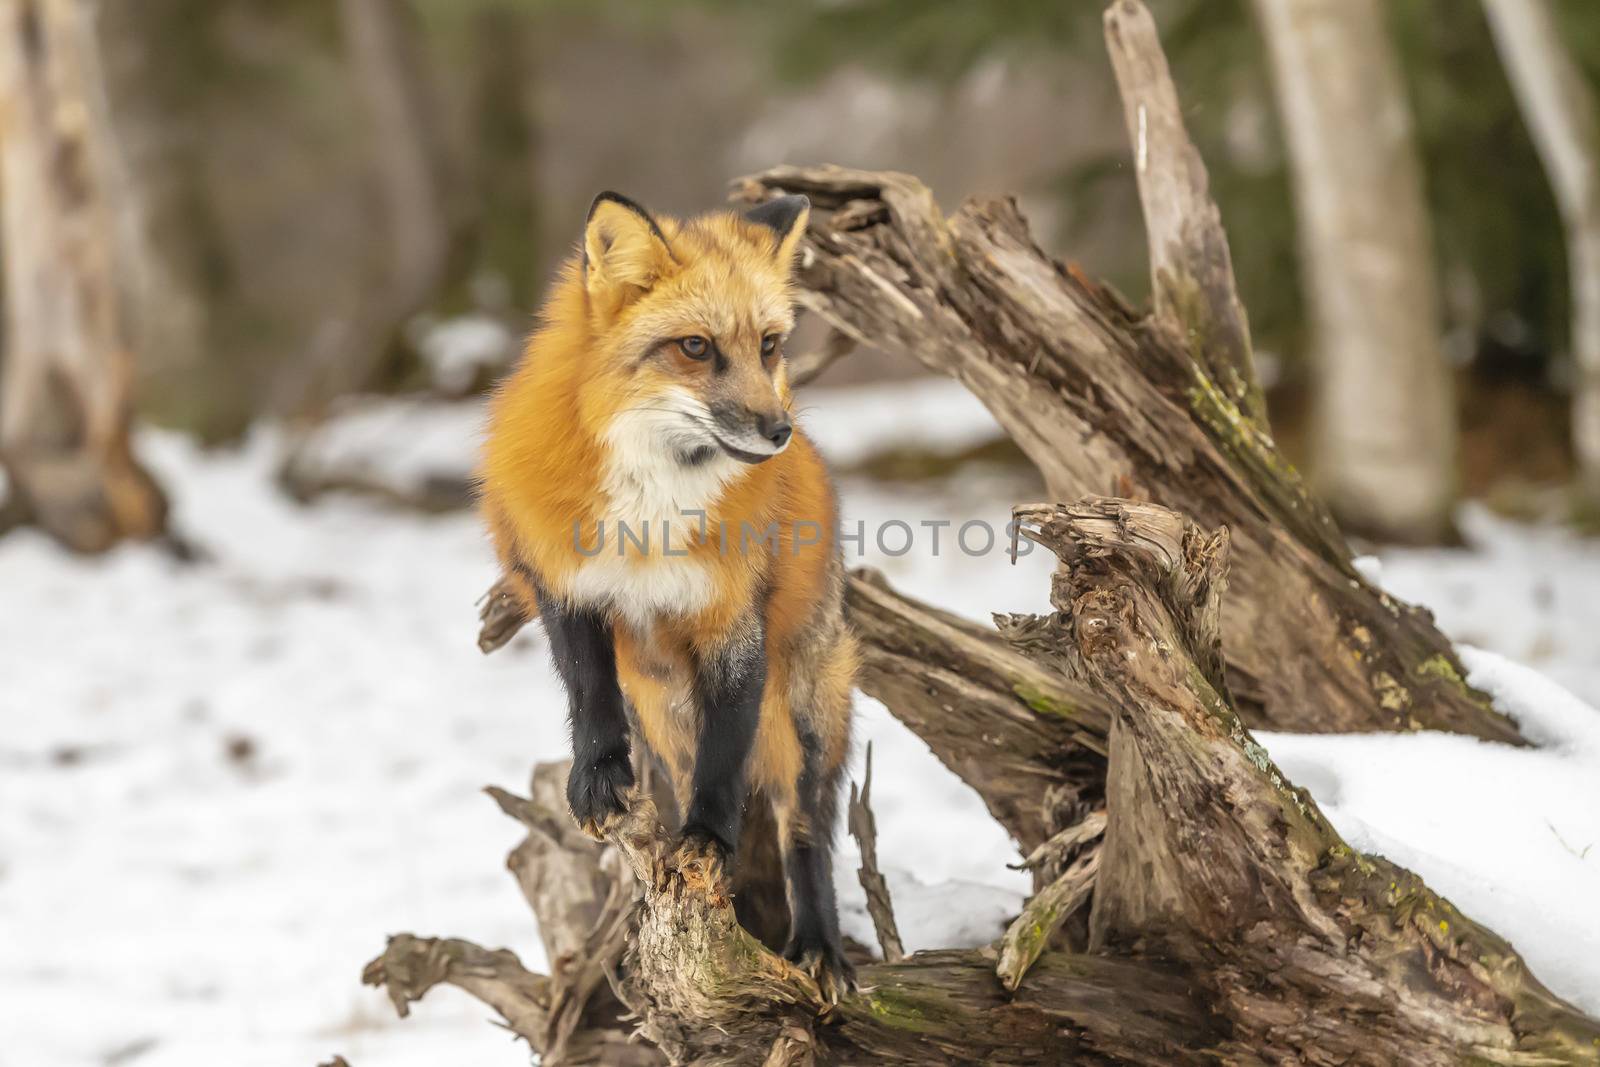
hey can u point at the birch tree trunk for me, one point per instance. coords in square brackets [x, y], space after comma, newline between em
[66, 382]
[1560, 111]
[1385, 425]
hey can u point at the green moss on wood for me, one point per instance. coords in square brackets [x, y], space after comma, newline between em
[1045, 703]
[895, 1007]
[1439, 668]
[1277, 480]
[1211, 348]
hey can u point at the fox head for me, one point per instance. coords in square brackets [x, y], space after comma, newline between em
[687, 320]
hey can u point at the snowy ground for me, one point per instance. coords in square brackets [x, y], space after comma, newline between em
[221, 786]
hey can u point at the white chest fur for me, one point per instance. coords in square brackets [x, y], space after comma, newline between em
[654, 504]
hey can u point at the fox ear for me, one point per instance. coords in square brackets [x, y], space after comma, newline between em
[622, 245]
[786, 217]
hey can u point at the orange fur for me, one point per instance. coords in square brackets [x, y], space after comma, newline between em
[556, 470]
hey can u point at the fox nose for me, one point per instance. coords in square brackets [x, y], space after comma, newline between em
[775, 428]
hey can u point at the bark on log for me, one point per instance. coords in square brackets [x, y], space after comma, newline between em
[1103, 400]
[568, 877]
[1313, 952]
[67, 374]
[412, 966]
[1191, 267]
[704, 991]
[1042, 918]
[1027, 740]
[1230, 922]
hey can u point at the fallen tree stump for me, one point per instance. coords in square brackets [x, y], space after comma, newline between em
[1313, 952]
[703, 990]
[1028, 740]
[1229, 921]
[1163, 407]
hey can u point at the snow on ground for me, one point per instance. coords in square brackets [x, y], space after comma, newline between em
[222, 785]
[1528, 592]
[464, 349]
[410, 448]
[1510, 836]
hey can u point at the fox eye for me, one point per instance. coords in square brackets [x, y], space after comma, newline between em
[769, 345]
[695, 347]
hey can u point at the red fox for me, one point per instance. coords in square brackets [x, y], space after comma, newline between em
[651, 498]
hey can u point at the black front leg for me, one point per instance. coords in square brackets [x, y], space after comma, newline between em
[581, 644]
[728, 687]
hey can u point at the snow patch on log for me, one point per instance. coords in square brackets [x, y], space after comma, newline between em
[1510, 834]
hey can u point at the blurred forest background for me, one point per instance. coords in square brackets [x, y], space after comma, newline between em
[313, 198]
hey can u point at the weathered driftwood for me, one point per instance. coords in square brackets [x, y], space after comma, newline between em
[1044, 915]
[412, 966]
[864, 828]
[567, 876]
[1160, 407]
[583, 896]
[1103, 400]
[1313, 952]
[67, 377]
[1230, 923]
[1055, 852]
[1191, 266]
[705, 991]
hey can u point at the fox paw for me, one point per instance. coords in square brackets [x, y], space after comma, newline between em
[825, 962]
[597, 793]
[702, 862]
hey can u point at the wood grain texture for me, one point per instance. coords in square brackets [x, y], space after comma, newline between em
[1213, 858]
[1191, 266]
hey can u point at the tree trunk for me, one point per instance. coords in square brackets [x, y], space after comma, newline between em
[1384, 434]
[65, 395]
[507, 150]
[421, 213]
[1558, 105]
[155, 54]
[1212, 858]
